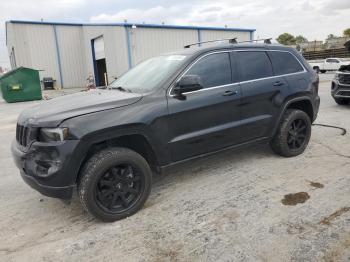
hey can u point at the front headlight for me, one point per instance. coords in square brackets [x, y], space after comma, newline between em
[336, 77]
[53, 134]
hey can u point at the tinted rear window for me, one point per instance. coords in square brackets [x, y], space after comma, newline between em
[284, 63]
[254, 65]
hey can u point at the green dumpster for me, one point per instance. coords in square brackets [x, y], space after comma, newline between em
[21, 84]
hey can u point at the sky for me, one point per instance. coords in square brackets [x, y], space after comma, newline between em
[314, 19]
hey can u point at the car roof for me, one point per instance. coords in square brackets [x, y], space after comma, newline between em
[194, 50]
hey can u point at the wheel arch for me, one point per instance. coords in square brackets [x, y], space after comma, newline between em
[136, 141]
[301, 103]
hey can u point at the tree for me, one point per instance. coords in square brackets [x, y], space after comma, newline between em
[347, 32]
[331, 36]
[300, 39]
[286, 39]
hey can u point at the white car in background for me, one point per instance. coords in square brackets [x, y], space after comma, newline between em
[329, 64]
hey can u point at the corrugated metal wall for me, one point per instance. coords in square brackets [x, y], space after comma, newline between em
[115, 49]
[72, 55]
[34, 47]
[148, 42]
[207, 35]
[65, 50]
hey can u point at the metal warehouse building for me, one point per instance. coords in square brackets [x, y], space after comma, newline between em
[69, 52]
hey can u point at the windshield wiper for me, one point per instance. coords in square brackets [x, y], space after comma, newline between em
[120, 88]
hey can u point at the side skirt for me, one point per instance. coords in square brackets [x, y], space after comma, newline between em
[262, 140]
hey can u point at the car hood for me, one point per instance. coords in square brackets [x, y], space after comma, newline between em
[52, 112]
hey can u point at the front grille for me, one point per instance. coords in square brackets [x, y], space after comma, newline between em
[22, 135]
[344, 79]
[343, 93]
[25, 135]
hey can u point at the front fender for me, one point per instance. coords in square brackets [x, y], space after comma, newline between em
[108, 136]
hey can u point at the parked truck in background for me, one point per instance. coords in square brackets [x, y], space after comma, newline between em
[341, 86]
[329, 64]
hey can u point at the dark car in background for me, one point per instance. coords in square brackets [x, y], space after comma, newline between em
[165, 111]
[341, 85]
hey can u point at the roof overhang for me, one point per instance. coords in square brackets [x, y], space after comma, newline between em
[135, 24]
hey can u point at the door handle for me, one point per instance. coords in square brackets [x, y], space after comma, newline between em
[278, 83]
[230, 93]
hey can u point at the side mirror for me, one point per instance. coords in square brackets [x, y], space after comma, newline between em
[188, 83]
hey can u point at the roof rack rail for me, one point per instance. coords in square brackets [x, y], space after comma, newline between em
[266, 41]
[231, 41]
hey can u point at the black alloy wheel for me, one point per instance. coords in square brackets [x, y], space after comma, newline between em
[119, 188]
[293, 134]
[114, 183]
[297, 134]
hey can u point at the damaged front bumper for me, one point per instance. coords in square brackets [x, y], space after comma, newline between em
[46, 167]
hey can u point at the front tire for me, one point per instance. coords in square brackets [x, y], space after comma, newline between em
[293, 134]
[114, 184]
[341, 101]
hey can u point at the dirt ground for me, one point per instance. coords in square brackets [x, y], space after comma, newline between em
[234, 206]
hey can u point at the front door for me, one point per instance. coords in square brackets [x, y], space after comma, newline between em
[207, 119]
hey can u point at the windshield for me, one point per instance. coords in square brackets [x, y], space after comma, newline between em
[147, 75]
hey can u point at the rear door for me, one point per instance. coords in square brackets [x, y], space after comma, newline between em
[287, 65]
[260, 89]
[207, 119]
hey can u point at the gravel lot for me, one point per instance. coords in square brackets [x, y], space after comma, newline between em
[228, 207]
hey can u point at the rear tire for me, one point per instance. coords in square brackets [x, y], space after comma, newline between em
[114, 184]
[293, 134]
[341, 101]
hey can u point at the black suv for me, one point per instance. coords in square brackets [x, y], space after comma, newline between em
[341, 85]
[166, 110]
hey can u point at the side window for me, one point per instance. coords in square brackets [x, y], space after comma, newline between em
[254, 65]
[284, 63]
[332, 60]
[214, 70]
